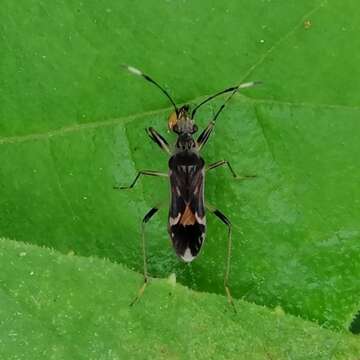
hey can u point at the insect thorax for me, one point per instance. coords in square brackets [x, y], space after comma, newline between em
[186, 158]
[185, 142]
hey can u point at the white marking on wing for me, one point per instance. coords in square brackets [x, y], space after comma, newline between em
[188, 257]
[174, 221]
[199, 219]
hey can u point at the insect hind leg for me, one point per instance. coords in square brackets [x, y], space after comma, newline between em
[146, 218]
[227, 222]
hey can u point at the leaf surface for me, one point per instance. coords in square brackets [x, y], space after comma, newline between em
[71, 127]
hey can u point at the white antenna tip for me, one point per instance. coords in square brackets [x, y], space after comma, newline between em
[249, 84]
[134, 70]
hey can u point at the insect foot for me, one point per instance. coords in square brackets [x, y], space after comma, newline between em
[140, 293]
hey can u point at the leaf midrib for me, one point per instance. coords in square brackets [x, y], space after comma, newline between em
[129, 118]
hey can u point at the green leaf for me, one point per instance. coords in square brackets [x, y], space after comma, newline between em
[69, 133]
[68, 307]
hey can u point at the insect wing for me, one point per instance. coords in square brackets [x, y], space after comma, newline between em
[187, 222]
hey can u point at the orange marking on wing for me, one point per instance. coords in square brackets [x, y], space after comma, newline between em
[188, 217]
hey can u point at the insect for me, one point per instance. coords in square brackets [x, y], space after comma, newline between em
[187, 169]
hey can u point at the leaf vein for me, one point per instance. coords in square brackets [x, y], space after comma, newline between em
[127, 119]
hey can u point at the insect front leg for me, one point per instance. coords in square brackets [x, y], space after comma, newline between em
[158, 139]
[146, 218]
[225, 162]
[141, 172]
[204, 136]
[227, 222]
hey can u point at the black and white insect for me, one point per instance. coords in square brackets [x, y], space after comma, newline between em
[187, 169]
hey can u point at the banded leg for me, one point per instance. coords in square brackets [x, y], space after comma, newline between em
[227, 222]
[225, 162]
[146, 218]
[158, 139]
[141, 172]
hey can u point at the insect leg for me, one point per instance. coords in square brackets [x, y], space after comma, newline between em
[227, 222]
[146, 218]
[204, 136]
[142, 172]
[158, 139]
[225, 162]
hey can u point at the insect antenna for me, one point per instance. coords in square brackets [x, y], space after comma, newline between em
[148, 78]
[234, 89]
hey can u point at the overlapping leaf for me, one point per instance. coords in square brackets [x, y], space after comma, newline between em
[56, 306]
